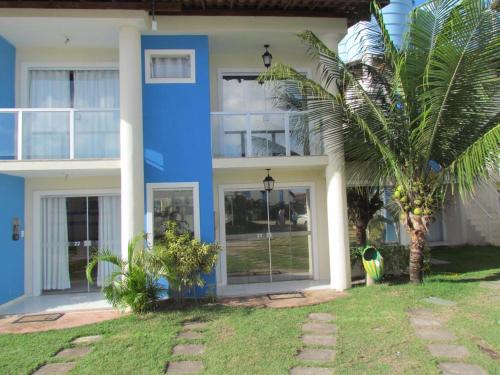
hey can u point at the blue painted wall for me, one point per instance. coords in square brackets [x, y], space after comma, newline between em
[11, 188]
[7, 77]
[11, 252]
[176, 120]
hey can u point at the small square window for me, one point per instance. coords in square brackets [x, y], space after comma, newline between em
[170, 66]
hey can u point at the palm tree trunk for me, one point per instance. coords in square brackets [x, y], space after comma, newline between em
[361, 232]
[417, 246]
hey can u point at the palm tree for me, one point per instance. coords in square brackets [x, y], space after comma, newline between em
[133, 284]
[423, 118]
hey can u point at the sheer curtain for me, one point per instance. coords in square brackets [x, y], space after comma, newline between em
[109, 233]
[96, 127]
[55, 244]
[171, 67]
[46, 134]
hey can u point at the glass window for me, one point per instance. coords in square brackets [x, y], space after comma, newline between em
[94, 96]
[243, 93]
[170, 66]
[173, 205]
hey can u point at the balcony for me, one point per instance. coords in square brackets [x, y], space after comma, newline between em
[30, 134]
[263, 134]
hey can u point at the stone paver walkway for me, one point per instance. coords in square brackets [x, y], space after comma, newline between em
[461, 369]
[190, 331]
[429, 327]
[81, 346]
[318, 337]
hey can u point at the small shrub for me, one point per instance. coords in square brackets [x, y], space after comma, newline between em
[134, 284]
[182, 260]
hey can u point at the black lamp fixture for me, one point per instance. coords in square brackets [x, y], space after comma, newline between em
[268, 182]
[267, 58]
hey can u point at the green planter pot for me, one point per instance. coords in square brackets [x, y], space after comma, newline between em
[373, 263]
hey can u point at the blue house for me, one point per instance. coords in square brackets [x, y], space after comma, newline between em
[116, 119]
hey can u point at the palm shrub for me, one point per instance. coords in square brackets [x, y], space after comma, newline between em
[423, 118]
[133, 284]
[182, 260]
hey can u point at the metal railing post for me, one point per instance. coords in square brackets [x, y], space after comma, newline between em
[71, 134]
[249, 151]
[19, 155]
[287, 134]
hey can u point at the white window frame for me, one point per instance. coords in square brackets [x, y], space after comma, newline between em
[150, 53]
[172, 186]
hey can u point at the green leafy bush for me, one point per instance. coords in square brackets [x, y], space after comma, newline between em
[133, 285]
[182, 260]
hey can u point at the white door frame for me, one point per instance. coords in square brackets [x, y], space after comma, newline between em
[221, 267]
[34, 278]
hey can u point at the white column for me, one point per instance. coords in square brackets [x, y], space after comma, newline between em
[336, 202]
[131, 149]
[338, 238]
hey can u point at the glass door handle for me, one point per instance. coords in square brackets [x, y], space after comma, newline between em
[87, 243]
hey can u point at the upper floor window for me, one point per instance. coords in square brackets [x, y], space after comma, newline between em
[170, 66]
[244, 93]
[81, 89]
[88, 129]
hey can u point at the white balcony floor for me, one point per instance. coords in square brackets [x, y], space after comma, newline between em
[56, 303]
[242, 290]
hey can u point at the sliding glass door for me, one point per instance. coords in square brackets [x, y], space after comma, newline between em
[73, 229]
[258, 250]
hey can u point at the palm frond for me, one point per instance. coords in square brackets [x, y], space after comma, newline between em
[479, 161]
[459, 82]
[102, 256]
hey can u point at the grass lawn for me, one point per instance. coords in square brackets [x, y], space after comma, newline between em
[374, 335]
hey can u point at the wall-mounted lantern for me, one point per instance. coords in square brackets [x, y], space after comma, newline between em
[268, 182]
[267, 58]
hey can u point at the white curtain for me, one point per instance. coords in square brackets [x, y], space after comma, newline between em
[109, 233]
[46, 134]
[171, 67]
[55, 244]
[96, 132]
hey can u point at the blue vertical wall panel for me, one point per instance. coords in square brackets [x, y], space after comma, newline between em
[176, 120]
[11, 252]
[7, 76]
[11, 188]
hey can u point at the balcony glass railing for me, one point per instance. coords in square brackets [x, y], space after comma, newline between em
[236, 135]
[59, 134]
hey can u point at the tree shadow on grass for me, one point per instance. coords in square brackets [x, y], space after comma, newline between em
[492, 277]
[465, 259]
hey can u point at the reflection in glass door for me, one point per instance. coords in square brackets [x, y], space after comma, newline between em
[254, 256]
[73, 228]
